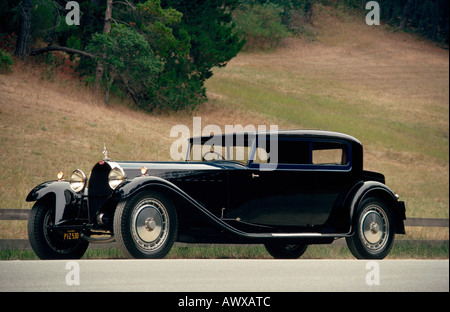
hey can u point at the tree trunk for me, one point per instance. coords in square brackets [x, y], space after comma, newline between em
[405, 14]
[309, 10]
[24, 39]
[106, 29]
[436, 10]
[108, 15]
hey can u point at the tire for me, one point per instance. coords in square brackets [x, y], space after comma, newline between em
[145, 225]
[49, 244]
[374, 230]
[285, 251]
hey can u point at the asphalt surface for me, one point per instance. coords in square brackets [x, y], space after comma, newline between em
[225, 275]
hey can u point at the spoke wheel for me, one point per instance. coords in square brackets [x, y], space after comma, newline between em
[150, 224]
[145, 226]
[374, 233]
[47, 242]
[374, 228]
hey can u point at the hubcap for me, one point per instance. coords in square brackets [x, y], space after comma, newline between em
[374, 228]
[150, 224]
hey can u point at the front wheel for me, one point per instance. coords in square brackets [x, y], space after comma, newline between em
[47, 242]
[285, 251]
[374, 231]
[145, 226]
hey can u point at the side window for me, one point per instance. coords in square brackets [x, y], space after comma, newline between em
[261, 156]
[303, 153]
[288, 152]
[324, 153]
[294, 152]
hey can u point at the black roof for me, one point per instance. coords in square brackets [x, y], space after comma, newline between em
[290, 133]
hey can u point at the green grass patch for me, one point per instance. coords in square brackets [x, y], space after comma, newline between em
[400, 250]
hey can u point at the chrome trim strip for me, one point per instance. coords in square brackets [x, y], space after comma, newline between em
[307, 235]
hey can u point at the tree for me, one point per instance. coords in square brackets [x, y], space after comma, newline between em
[206, 38]
[190, 37]
[214, 40]
[175, 87]
[126, 55]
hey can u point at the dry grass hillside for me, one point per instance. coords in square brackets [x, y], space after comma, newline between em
[390, 90]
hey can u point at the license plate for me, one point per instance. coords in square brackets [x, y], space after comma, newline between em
[71, 235]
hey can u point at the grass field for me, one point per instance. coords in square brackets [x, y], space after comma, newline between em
[389, 89]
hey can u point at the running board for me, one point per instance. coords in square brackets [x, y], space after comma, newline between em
[294, 235]
[307, 235]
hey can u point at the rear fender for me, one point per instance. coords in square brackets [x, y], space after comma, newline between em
[64, 199]
[381, 191]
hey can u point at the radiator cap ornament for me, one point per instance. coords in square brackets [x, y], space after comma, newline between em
[105, 153]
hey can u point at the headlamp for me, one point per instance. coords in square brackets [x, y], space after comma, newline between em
[77, 181]
[116, 177]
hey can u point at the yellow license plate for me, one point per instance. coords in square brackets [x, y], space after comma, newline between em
[71, 235]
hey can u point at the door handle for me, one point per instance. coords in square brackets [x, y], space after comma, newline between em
[255, 175]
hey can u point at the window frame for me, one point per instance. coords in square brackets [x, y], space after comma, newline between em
[347, 148]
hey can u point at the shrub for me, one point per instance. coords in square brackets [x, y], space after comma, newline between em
[261, 24]
[6, 62]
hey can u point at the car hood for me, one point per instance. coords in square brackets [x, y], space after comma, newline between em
[170, 168]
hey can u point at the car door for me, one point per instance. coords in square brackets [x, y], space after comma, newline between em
[301, 191]
[332, 164]
[280, 197]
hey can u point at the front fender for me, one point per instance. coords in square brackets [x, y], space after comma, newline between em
[379, 190]
[62, 196]
[132, 187]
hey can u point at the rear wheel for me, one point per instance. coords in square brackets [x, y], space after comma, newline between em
[145, 226]
[374, 231]
[285, 251]
[48, 243]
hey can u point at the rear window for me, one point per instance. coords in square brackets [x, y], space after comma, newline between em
[329, 153]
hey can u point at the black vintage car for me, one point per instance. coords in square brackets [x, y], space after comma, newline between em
[284, 189]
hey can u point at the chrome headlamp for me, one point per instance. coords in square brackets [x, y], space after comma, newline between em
[116, 177]
[78, 181]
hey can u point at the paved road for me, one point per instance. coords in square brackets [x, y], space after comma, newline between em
[225, 275]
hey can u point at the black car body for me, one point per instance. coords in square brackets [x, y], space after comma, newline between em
[287, 189]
